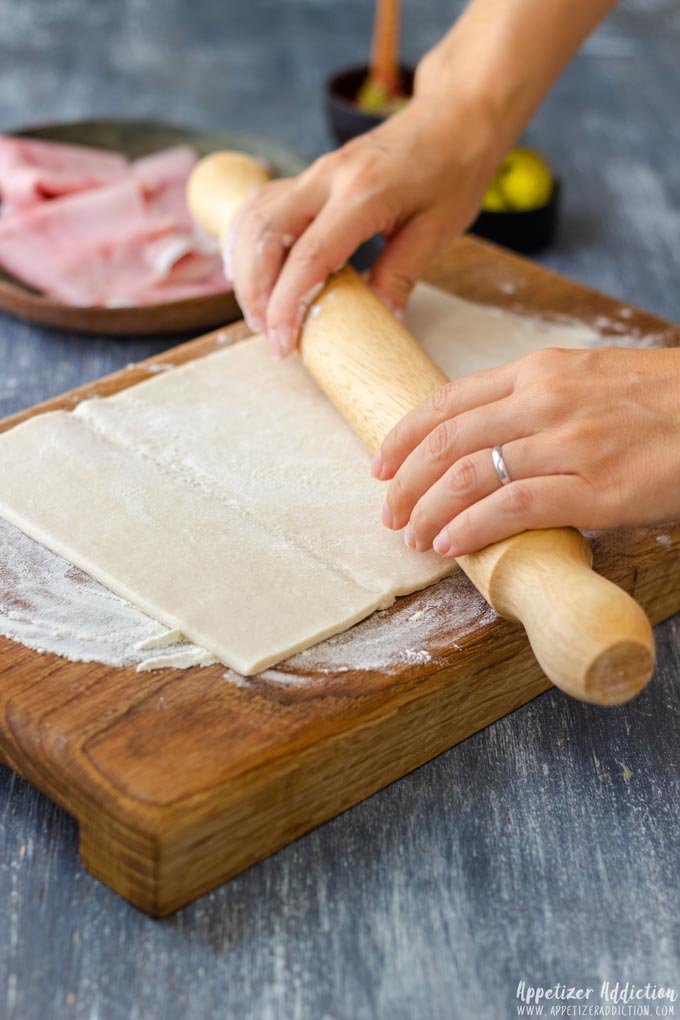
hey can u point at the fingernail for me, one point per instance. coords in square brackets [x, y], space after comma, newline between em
[377, 465]
[387, 516]
[409, 537]
[398, 311]
[275, 348]
[442, 543]
[254, 323]
[282, 342]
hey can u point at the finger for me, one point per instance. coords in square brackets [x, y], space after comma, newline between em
[259, 242]
[473, 478]
[240, 236]
[448, 442]
[323, 248]
[402, 261]
[457, 397]
[546, 502]
[261, 196]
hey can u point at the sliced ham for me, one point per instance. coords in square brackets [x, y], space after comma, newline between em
[158, 169]
[149, 266]
[172, 289]
[127, 242]
[106, 247]
[163, 176]
[32, 171]
[102, 213]
[64, 247]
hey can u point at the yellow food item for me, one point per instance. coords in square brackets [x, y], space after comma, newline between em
[373, 97]
[523, 181]
[494, 201]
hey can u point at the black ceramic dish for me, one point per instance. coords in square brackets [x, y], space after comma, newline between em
[525, 232]
[345, 119]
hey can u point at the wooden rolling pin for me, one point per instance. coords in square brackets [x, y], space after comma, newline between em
[590, 637]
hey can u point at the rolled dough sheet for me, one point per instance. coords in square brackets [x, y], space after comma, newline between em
[228, 499]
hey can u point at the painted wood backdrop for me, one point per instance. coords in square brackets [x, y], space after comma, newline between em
[544, 848]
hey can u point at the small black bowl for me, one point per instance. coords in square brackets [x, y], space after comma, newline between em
[525, 232]
[345, 119]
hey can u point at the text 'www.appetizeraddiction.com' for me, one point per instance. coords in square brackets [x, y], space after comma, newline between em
[609, 999]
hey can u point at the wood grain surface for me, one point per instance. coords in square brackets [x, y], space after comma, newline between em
[544, 847]
[181, 779]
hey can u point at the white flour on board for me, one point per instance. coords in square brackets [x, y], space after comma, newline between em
[394, 637]
[49, 605]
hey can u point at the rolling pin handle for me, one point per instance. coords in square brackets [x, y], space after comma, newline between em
[219, 185]
[589, 636]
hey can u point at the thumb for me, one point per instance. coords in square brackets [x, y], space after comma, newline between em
[402, 261]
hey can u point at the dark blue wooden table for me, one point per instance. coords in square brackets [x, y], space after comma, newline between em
[544, 849]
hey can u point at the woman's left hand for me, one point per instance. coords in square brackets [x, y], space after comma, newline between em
[590, 438]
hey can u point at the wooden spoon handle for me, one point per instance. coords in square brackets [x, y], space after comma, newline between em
[590, 637]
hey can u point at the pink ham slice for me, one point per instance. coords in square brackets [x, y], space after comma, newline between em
[42, 245]
[131, 242]
[146, 267]
[32, 171]
[158, 169]
[163, 175]
[174, 288]
[105, 247]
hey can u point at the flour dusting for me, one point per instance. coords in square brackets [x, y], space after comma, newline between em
[50, 606]
[423, 628]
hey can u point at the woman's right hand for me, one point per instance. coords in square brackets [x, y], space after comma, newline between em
[418, 179]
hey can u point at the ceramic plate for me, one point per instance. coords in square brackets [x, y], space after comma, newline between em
[136, 138]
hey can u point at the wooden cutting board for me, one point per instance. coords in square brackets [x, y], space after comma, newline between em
[181, 779]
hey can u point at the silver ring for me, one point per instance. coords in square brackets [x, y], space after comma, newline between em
[499, 464]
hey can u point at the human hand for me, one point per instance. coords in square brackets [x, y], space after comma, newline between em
[590, 439]
[418, 180]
